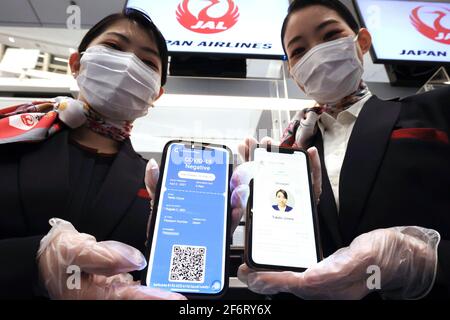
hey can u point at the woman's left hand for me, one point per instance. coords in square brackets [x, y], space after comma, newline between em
[151, 177]
[151, 180]
[403, 259]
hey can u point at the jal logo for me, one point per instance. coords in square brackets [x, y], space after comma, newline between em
[23, 121]
[28, 120]
[433, 22]
[214, 17]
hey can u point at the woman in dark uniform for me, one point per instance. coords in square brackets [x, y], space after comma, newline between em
[83, 170]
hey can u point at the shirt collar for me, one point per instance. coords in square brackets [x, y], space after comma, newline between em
[326, 121]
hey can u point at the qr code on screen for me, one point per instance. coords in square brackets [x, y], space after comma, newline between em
[187, 264]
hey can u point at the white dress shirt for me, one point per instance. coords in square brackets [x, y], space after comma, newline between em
[335, 135]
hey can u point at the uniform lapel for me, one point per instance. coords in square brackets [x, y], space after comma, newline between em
[117, 193]
[365, 152]
[327, 204]
[44, 181]
[11, 213]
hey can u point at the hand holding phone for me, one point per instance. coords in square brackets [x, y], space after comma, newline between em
[281, 224]
[189, 228]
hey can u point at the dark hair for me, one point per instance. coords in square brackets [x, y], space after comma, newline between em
[144, 21]
[283, 192]
[335, 5]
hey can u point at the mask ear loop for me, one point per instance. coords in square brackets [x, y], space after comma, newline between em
[355, 41]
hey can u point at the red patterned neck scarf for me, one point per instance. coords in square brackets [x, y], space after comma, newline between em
[347, 102]
[116, 130]
[38, 120]
[304, 124]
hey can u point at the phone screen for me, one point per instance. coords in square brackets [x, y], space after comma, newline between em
[188, 250]
[283, 231]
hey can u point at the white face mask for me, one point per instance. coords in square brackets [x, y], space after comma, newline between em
[330, 71]
[116, 84]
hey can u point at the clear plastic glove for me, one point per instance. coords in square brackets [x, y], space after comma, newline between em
[74, 265]
[308, 120]
[151, 177]
[406, 258]
[151, 180]
[249, 143]
[240, 190]
[239, 184]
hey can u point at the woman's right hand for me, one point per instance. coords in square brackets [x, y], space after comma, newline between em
[239, 184]
[249, 143]
[74, 265]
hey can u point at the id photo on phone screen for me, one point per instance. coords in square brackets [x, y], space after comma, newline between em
[283, 202]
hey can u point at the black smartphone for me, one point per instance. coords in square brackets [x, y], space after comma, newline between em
[282, 231]
[189, 230]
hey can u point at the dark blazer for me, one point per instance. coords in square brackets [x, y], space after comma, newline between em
[396, 172]
[287, 209]
[34, 187]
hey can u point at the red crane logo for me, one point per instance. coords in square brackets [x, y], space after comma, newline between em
[28, 120]
[203, 22]
[437, 32]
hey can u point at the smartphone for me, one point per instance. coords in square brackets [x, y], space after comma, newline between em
[189, 230]
[282, 231]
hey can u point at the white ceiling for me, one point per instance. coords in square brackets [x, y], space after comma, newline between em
[42, 24]
[52, 13]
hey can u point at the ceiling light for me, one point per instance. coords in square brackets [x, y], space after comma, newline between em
[61, 60]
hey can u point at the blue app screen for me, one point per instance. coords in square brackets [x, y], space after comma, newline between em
[189, 241]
